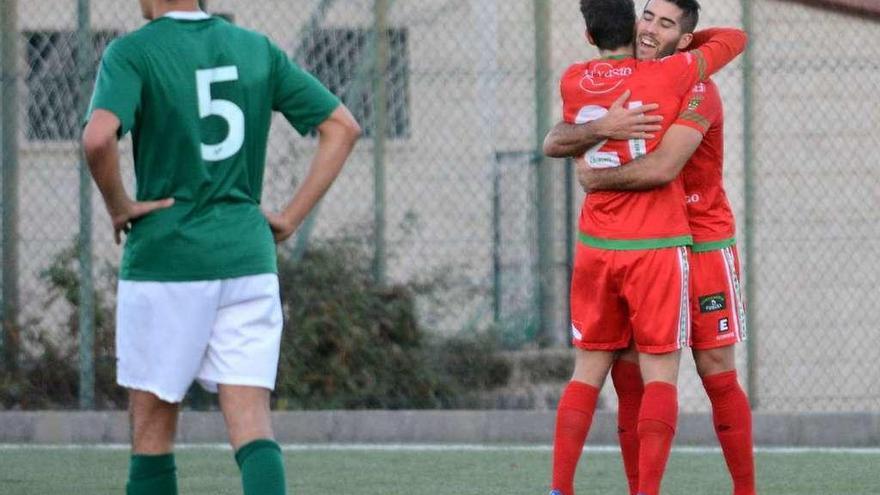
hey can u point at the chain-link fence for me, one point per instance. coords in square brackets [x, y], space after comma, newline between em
[448, 184]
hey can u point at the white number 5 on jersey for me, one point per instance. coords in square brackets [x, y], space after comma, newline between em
[225, 109]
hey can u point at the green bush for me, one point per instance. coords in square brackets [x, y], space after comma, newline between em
[47, 375]
[348, 343]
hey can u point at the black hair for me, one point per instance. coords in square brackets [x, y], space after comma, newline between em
[690, 16]
[611, 23]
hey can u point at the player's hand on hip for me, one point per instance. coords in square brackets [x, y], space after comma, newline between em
[282, 228]
[134, 210]
[630, 123]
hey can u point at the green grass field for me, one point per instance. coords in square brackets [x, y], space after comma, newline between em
[93, 471]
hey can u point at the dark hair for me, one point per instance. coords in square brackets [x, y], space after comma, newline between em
[611, 23]
[690, 16]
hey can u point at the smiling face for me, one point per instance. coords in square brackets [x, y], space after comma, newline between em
[659, 30]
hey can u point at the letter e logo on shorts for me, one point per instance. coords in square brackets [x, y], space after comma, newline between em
[723, 325]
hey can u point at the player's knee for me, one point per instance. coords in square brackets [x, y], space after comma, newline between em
[153, 433]
[713, 361]
[150, 414]
[591, 367]
[660, 367]
[244, 430]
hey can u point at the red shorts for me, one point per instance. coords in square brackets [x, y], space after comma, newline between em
[718, 311]
[640, 295]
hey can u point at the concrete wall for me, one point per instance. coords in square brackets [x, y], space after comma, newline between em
[466, 427]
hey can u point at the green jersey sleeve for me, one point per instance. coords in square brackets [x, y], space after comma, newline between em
[118, 87]
[303, 100]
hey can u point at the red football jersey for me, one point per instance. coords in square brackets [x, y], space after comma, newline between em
[644, 219]
[709, 212]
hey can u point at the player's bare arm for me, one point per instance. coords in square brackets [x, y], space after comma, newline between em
[655, 169]
[336, 138]
[102, 155]
[566, 140]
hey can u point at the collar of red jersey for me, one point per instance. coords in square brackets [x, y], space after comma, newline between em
[188, 15]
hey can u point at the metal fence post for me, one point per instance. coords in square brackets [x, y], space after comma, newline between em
[484, 36]
[304, 233]
[9, 145]
[380, 129]
[497, 289]
[86, 276]
[749, 223]
[570, 220]
[543, 174]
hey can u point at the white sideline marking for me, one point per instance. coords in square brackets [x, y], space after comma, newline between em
[382, 447]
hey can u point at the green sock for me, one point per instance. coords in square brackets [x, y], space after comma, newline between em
[262, 468]
[152, 475]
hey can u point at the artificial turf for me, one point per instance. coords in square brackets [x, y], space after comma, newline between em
[99, 471]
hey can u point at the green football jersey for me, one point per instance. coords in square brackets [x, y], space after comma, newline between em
[197, 94]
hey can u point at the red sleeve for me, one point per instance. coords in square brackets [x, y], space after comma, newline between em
[701, 107]
[701, 37]
[717, 48]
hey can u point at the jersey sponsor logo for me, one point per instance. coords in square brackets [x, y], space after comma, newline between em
[712, 302]
[723, 325]
[595, 157]
[604, 78]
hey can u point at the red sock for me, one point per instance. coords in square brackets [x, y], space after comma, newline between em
[573, 418]
[733, 425]
[627, 380]
[657, 420]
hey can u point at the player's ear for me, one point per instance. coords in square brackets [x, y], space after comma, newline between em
[685, 41]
